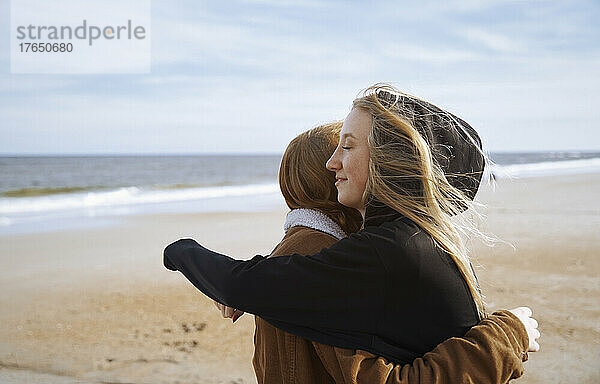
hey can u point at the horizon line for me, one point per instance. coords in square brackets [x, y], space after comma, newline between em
[73, 154]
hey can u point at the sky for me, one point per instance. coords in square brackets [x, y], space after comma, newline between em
[248, 76]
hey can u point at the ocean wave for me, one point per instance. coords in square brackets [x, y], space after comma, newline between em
[37, 191]
[126, 196]
[73, 198]
[46, 191]
[546, 168]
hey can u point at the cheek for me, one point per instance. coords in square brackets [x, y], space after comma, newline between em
[362, 167]
[359, 174]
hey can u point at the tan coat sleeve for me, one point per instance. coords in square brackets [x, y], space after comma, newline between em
[491, 352]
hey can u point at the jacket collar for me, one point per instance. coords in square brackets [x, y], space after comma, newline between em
[314, 219]
[377, 213]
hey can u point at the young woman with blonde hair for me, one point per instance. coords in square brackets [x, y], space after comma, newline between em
[389, 292]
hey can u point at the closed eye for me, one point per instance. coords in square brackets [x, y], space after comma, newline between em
[346, 147]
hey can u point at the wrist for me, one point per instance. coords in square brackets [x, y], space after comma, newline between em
[516, 328]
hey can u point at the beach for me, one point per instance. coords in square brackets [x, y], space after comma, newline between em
[96, 305]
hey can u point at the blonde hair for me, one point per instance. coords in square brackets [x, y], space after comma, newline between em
[306, 183]
[405, 176]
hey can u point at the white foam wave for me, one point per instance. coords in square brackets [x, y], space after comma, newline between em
[125, 197]
[547, 168]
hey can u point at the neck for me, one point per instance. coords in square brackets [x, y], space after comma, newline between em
[362, 211]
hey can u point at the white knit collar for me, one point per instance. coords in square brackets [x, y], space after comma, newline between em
[314, 219]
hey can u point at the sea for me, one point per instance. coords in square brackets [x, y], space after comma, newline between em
[50, 193]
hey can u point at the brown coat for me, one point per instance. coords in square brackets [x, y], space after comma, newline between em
[491, 352]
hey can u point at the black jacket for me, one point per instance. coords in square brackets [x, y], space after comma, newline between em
[386, 289]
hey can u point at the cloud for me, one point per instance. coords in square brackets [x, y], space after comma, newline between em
[494, 42]
[248, 76]
[430, 55]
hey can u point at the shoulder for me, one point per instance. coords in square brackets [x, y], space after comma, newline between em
[401, 232]
[401, 243]
[303, 240]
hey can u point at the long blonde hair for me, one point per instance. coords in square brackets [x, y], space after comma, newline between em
[306, 183]
[405, 176]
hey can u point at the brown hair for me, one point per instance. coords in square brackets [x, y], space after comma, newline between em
[404, 175]
[306, 183]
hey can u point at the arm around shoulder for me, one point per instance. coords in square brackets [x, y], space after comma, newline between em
[493, 351]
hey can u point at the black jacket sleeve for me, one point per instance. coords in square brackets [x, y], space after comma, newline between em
[344, 282]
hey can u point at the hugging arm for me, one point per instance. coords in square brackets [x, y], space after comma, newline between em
[492, 352]
[304, 290]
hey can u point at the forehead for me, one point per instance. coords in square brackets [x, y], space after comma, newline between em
[357, 124]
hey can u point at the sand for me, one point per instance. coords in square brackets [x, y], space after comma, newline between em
[97, 306]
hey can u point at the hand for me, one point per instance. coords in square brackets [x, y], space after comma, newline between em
[524, 314]
[228, 311]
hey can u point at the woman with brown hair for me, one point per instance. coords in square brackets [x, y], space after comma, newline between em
[392, 291]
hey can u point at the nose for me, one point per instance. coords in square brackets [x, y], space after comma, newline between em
[333, 164]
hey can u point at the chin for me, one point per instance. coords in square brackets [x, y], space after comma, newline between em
[346, 202]
[341, 199]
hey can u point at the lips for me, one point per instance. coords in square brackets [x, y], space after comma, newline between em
[339, 180]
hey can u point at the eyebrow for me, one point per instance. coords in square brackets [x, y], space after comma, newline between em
[348, 135]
